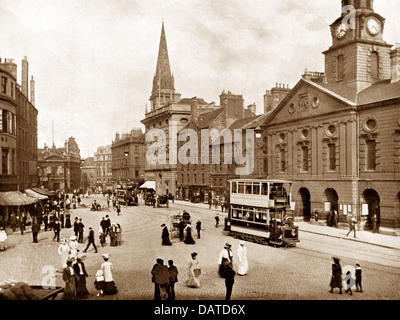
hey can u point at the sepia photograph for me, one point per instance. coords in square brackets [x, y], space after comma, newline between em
[218, 154]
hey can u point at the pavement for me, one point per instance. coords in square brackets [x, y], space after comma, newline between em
[387, 238]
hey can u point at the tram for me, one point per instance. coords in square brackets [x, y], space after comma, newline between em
[127, 194]
[262, 211]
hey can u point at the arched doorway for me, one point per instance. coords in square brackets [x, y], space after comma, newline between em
[305, 204]
[331, 197]
[373, 200]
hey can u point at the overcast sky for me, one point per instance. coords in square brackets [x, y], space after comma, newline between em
[93, 61]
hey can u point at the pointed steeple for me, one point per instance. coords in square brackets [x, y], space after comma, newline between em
[163, 78]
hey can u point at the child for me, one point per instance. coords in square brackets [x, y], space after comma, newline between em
[99, 282]
[348, 282]
[102, 237]
[358, 278]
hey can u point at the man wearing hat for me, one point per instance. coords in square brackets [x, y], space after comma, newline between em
[91, 240]
[160, 278]
[225, 259]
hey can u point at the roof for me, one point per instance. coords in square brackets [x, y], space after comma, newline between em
[204, 120]
[44, 192]
[257, 122]
[33, 194]
[380, 91]
[240, 123]
[15, 198]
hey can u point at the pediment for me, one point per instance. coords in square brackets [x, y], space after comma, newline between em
[307, 100]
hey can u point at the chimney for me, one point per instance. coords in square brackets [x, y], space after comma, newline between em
[252, 108]
[234, 105]
[9, 66]
[25, 77]
[273, 97]
[32, 91]
[395, 63]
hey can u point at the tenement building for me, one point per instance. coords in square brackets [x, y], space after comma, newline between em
[169, 113]
[103, 164]
[336, 134]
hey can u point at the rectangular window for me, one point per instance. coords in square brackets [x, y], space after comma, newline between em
[202, 178]
[234, 187]
[370, 161]
[3, 85]
[304, 155]
[283, 160]
[4, 120]
[4, 161]
[331, 157]
[241, 187]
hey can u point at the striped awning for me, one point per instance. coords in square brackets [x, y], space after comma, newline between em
[33, 194]
[15, 198]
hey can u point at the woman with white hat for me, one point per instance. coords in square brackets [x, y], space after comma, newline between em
[107, 267]
[73, 245]
[243, 264]
[63, 251]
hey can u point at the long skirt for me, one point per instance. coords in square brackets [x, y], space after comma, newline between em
[110, 288]
[189, 239]
[70, 290]
[81, 290]
[68, 223]
[336, 281]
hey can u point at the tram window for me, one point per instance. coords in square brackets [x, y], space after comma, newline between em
[264, 189]
[272, 193]
[240, 187]
[234, 187]
[261, 216]
[256, 188]
[248, 188]
[279, 190]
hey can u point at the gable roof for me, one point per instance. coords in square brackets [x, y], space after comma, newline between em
[204, 120]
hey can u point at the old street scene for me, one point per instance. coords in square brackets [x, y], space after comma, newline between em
[115, 186]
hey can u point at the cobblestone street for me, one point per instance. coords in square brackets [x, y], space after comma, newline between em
[296, 273]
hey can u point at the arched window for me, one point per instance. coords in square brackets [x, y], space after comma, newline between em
[374, 65]
[340, 67]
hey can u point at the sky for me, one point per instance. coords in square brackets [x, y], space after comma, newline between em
[93, 61]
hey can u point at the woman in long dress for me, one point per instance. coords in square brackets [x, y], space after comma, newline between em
[73, 245]
[243, 265]
[63, 251]
[69, 278]
[194, 272]
[68, 220]
[81, 275]
[336, 278]
[109, 285]
[165, 236]
[189, 239]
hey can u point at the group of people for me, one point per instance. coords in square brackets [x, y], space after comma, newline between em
[74, 276]
[337, 280]
[114, 230]
[185, 231]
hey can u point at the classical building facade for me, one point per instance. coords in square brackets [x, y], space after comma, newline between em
[60, 168]
[88, 175]
[103, 164]
[128, 154]
[169, 113]
[18, 128]
[336, 134]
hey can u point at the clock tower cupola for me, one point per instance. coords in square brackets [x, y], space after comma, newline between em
[359, 56]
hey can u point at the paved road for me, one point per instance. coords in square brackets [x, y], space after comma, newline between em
[302, 272]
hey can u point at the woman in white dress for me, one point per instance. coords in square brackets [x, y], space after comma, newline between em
[194, 272]
[73, 245]
[243, 264]
[109, 285]
[63, 251]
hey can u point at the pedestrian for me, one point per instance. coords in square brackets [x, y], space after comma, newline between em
[3, 238]
[73, 248]
[81, 227]
[352, 226]
[46, 220]
[173, 278]
[181, 227]
[35, 230]
[107, 267]
[57, 228]
[67, 220]
[217, 221]
[119, 234]
[165, 236]
[198, 228]
[102, 237]
[225, 259]
[336, 278]
[189, 239]
[336, 218]
[194, 272]
[62, 219]
[13, 222]
[349, 283]
[229, 281]
[69, 278]
[63, 251]
[91, 240]
[103, 225]
[118, 209]
[81, 275]
[108, 225]
[358, 278]
[243, 264]
[21, 223]
[375, 222]
[161, 277]
[76, 222]
[99, 283]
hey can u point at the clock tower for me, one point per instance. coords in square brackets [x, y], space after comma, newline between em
[358, 56]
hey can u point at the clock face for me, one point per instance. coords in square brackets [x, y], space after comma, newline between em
[373, 26]
[341, 31]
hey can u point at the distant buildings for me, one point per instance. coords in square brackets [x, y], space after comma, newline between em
[103, 164]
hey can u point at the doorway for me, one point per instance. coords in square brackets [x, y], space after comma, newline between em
[373, 200]
[305, 204]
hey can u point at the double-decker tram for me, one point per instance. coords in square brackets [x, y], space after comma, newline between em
[261, 211]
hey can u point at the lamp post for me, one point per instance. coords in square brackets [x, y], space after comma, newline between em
[126, 154]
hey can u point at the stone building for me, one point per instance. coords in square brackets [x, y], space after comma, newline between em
[168, 113]
[128, 158]
[60, 168]
[336, 134]
[103, 164]
[88, 175]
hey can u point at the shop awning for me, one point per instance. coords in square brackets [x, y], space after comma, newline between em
[148, 185]
[33, 194]
[44, 192]
[15, 198]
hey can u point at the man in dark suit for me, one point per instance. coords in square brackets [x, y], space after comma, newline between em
[103, 225]
[91, 240]
[35, 230]
[76, 227]
[80, 231]
[108, 226]
[57, 228]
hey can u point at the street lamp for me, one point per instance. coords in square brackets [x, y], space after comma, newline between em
[126, 154]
